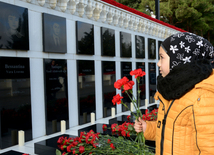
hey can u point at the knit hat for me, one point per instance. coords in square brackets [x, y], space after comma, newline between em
[186, 47]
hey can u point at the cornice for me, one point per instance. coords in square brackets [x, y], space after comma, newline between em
[112, 13]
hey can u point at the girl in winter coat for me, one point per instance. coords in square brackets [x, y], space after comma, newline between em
[185, 124]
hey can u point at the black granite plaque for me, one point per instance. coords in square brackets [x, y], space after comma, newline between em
[56, 92]
[125, 45]
[107, 42]
[120, 119]
[15, 100]
[11, 152]
[159, 44]
[54, 34]
[49, 146]
[126, 68]
[86, 90]
[85, 38]
[152, 82]
[142, 111]
[109, 91]
[97, 128]
[14, 68]
[142, 84]
[150, 108]
[151, 48]
[14, 27]
[140, 46]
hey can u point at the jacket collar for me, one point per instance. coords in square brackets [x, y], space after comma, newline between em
[183, 78]
[207, 84]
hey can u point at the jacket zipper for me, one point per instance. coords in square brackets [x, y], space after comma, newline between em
[163, 105]
[163, 126]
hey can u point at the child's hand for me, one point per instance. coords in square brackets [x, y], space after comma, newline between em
[140, 125]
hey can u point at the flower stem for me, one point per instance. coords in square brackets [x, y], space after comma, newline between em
[128, 108]
[138, 96]
[132, 103]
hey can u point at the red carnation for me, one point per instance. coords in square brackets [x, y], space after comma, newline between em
[117, 99]
[119, 83]
[69, 148]
[128, 85]
[137, 73]
[104, 127]
[74, 151]
[112, 146]
[123, 133]
[75, 143]
[60, 140]
[81, 149]
[128, 118]
[128, 134]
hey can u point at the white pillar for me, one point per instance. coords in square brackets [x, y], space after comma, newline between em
[146, 69]
[37, 97]
[98, 73]
[98, 89]
[72, 93]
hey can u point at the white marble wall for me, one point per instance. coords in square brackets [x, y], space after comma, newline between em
[100, 15]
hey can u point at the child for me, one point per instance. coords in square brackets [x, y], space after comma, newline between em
[185, 124]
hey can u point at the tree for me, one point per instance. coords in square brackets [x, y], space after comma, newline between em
[191, 15]
[195, 16]
[130, 3]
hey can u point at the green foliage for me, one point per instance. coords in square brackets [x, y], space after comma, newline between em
[130, 3]
[58, 152]
[121, 144]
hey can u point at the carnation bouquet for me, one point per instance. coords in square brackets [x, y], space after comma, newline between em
[97, 144]
[126, 86]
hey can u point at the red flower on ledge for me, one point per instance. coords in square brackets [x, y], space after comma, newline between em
[104, 127]
[152, 116]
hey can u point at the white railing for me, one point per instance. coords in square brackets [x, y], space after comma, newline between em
[100, 11]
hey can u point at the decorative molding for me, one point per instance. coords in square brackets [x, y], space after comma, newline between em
[109, 17]
[89, 10]
[96, 12]
[119, 16]
[41, 2]
[80, 8]
[63, 5]
[103, 14]
[115, 18]
[72, 6]
[52, 4]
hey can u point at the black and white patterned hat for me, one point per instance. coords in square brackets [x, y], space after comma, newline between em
[186, 47]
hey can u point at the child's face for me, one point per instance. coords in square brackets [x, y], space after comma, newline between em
[163, 63]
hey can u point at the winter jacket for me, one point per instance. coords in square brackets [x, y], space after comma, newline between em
[185, 126]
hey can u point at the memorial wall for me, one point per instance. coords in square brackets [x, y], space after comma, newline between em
[60, 62]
